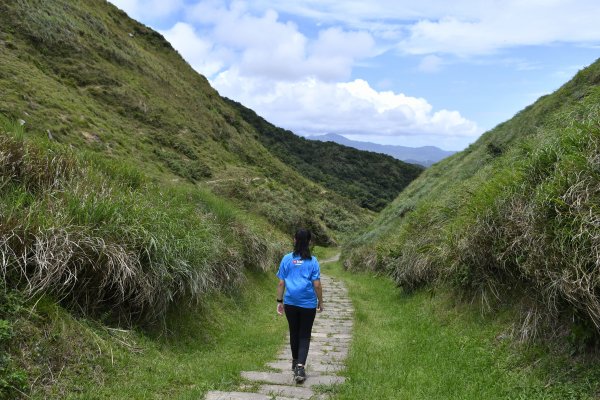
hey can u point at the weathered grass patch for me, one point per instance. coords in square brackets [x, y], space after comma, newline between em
[428, 346]
[200, 348]
[514, 216]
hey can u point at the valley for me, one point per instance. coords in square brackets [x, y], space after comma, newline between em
[143, 216]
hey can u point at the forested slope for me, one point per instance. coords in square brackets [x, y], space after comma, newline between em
[371, 179]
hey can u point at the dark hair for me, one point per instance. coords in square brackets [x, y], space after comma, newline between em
[301, 244]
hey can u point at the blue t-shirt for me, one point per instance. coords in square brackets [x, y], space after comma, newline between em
[298, 275]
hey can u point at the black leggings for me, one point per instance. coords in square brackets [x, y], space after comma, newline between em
[300, 321]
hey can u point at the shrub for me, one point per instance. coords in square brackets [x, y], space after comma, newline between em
[106, 240]
[520, 227]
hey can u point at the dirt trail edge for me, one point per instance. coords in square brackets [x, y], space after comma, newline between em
[331, 335]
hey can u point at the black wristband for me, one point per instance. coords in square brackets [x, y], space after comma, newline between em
[280, 300]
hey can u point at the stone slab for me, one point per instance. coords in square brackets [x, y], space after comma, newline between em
[295, 392]
[312, 356]
[277, 378]
[332, 355]
[331, 335]
[282, 365]
[285, 378]
[315, 366]
[215, 395]
[330, 344]
[312, 380]
[324, 367]
[327, 339]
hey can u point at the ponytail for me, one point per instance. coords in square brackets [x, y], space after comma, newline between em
[301, 244]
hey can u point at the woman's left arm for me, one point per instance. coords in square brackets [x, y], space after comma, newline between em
[319, 291]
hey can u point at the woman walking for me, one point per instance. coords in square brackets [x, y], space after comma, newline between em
[300, 278]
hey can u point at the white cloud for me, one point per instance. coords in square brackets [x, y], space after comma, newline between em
[504, 26]
[299, 82]
[149, 9]
[199, 52]
[461, 27]
[310, 106]
[269, 47]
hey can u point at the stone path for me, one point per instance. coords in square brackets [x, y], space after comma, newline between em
[328, 349]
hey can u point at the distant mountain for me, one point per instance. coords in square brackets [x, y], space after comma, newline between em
[425, 156]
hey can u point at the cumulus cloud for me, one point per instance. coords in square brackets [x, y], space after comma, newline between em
[202, 54]
[461, 27]
[149, 9]
[301, 82]
[310, 106]
[269, 47]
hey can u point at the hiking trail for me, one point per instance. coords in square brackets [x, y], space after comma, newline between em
[330, 341]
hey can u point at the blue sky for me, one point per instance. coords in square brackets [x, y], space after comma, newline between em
[387, 71]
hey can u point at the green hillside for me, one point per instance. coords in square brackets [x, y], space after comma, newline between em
[142, 215]
[355, 174]
[131, 191]
[512, 219]
[85, 74]
[102, 240]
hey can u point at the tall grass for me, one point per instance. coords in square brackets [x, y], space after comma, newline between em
[523, 227]
[123, 247]
[540, 228]
[429, 346]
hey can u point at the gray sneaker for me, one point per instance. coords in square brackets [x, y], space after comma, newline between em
[299, 374]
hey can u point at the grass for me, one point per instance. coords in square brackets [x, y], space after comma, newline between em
[426, 346]
[422, 346]
[205, 348]
[108, 141]
[107, 242]
[106, 239]
[518, 209]
[324, 253]
[86, 75]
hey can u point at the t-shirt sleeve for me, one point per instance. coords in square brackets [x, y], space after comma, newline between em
[316, 273]
[281, 273]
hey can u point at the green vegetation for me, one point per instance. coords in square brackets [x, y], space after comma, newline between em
[427, 346]
[85, 74]
[110, 244]
[129, 189]
[514, 216]
[101, 238]
[13, 379]
[205, 348]
[140, 211]
[373, 180]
